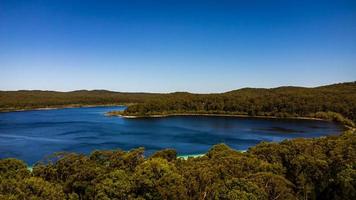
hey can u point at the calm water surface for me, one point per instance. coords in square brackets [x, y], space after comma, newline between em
[32, 135]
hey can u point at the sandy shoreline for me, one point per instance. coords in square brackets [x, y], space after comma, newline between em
[156, 115]
[185, 157]
[110, 114]
[216, 115]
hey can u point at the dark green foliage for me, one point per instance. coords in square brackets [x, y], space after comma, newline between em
[332, 116]
[239, 188]
[11, 167]
[322, 168]
[113, 185]
[321, 102]
[333, 102]
[156, 178]
[275, 186]
[16, 182]
[31, 99]
[168, 154]
[314, 166]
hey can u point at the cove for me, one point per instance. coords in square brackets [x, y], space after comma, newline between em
[32, 135]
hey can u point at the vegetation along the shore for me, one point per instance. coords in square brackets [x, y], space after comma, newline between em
[333, 102]
[33, 99]
[322, 168]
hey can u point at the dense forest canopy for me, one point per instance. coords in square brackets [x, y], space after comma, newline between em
[322, 168]
[280, 102]
[336, 102]
[31, 99]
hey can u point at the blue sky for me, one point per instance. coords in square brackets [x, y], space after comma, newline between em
[166, 46]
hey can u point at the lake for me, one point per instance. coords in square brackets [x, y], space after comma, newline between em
[32, 135]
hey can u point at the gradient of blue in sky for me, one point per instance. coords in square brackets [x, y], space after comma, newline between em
[166, 46]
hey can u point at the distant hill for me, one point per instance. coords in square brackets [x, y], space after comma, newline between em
[280, 102]
[31, 99]
[320, 102]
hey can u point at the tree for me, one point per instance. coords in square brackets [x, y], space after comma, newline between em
[158, 179]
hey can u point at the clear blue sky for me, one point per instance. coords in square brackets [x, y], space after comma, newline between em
[166, 46]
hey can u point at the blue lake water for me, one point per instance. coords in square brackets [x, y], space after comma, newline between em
[32, 135]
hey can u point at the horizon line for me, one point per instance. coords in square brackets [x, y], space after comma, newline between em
[137, 92]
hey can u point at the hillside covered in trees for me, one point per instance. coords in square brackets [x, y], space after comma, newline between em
[32, 99]
[320, 102]
[336, 102]
[322, 168]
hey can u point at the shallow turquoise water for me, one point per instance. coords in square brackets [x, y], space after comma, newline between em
[32, 135]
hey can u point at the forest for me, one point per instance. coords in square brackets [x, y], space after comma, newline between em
[32, 99]
[321, 168]
[335, 102]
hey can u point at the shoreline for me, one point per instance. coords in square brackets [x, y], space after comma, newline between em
[213, 115]
[185, 157]
[59, 107]
[118, 113]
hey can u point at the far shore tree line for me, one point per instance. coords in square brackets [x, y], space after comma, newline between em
[335, 102]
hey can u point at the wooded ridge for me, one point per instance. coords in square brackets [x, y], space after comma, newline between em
[337, 101]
